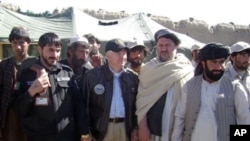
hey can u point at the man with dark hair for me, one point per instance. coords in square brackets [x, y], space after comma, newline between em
[95, 57]
[77, 59]
[46, 103]
[110, 91]
[238, 69]
[9, 68]
[210, 102]
[137, 53]
[159, 89]
[78, 54]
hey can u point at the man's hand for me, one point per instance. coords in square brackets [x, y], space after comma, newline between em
[39, 85]
[143, 131]
[96, 60]
[134, 135]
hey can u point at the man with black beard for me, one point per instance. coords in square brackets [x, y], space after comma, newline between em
[49, 108]
[136, 55]
[210, 102]
[77, 58]
[238, 69]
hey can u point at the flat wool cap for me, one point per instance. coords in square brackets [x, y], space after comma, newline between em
[166, 34]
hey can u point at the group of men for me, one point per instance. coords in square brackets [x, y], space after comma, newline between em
[119, 98]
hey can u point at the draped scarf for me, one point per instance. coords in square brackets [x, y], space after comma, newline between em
[156, 78]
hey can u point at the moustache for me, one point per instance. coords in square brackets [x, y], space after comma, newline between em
[246, 63]
[54, 58]
[217, 71]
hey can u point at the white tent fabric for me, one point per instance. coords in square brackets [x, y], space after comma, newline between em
[125, 29]
[137, 26]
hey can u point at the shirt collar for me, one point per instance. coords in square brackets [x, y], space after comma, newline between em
[117, 73]
[234, 73]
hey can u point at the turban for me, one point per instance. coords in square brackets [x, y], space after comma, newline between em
[213, 51]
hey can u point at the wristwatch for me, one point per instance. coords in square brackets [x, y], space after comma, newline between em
[85, 136]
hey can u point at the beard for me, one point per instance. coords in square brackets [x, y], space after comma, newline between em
[77, 63]
[46, 61]
[135, 64]
[242, 66]
[211, 75]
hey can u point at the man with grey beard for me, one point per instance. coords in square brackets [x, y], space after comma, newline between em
[238, 69]
[77, 57]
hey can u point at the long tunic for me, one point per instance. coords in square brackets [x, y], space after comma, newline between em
[205, 128]
[244, 78]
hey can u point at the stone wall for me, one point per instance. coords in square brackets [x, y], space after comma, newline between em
[226, 33]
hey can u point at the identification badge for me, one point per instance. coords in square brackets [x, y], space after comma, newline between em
[99, 89]
[41, 101]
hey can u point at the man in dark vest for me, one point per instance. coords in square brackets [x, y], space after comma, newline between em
[211, 102]
[161, 80]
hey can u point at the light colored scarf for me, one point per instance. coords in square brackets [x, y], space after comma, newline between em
[156, 78]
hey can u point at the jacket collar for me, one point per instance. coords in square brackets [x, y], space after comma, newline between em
[57, 67]
[109, 74]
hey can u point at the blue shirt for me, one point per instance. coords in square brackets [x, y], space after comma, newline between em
[117, 105]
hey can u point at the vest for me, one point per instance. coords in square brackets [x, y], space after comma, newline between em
[224, 111]
[154, 116]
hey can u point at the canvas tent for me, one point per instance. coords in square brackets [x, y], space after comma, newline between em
[137, 26]
[78, 23]
[36, 25]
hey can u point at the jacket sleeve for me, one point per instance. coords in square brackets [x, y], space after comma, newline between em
[22, 100]
[79, 106]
